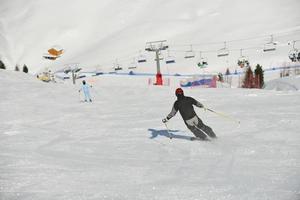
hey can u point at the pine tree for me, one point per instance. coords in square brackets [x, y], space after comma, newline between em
[259, 76]
[227, 72]
[17, 68]
[25, 69]
[2, 66]
[249, 79]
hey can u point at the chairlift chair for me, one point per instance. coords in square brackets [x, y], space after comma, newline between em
[202, 62]
[243, 60]
[117, 67]
[132, 67]
[133, 64]
[190, 53]
[270, 46]
[141, 58]
[223, 52]
[170, 59]
[294, 54]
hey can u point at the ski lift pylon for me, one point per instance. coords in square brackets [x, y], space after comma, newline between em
[160, 56]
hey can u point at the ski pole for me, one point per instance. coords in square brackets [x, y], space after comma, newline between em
[223, 115]
[79, 95]
[168, 130]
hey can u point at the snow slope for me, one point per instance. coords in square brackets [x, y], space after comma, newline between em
[54, 147]
[96, 33]
[284, 84]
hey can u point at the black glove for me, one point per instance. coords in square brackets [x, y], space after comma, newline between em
[165, 120]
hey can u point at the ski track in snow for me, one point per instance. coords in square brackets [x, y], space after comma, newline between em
[54, 147]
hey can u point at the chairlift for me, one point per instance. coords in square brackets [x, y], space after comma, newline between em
[223, 52]
[270, 46]
[170, 59]
[202, 62]
[243, 60]
[294, 53]
[142, 58]
[79, 76]
[117, 67]
[98, 70]
[190, 53]
[133, 64]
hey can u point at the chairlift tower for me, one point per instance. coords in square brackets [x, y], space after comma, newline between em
[157, 46]
[74, 69]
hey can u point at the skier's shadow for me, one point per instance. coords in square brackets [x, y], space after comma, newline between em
[167, 133]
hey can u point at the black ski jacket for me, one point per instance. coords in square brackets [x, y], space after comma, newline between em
[185, 106]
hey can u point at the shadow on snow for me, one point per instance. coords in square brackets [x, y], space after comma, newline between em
[167, 133]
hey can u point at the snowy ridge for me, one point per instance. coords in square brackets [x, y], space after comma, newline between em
[54, 147]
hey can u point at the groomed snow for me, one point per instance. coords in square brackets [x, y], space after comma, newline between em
[284, 84]
[54, 147]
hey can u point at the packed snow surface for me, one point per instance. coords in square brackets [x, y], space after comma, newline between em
[284, 84]
[53, 146]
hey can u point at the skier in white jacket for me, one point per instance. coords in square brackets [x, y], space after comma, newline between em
[85, 88]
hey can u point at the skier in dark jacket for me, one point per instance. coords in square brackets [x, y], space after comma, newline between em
[185, 106]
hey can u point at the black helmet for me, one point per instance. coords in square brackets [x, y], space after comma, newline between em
[83, 82]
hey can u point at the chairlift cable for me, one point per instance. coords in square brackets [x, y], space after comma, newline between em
[238, 40]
